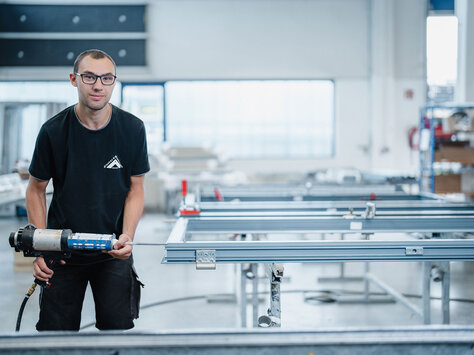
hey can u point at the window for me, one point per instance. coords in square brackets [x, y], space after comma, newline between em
[253, 119]
[24, 107]
[45, 91]
[146, 102]
[441, 57]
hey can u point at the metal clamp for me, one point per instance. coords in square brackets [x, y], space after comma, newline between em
[273, 316]
[414, 251]
[370, 210]
[205, 259]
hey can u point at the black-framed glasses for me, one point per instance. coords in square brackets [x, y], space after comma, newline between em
[90, 79]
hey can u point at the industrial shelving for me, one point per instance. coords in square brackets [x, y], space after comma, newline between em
[446, 139]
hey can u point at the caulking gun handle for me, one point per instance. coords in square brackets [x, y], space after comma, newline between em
[52, 259]
[51, 262]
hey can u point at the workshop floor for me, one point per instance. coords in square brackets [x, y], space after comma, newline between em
[167, 284]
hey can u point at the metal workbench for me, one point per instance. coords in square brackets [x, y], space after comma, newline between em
[439, 340]
[183, 245]
[331, 206]
[323, 192]
[256, 216]
[204, 241]
[395, 196]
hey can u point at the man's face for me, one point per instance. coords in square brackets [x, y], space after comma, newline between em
[94, 96]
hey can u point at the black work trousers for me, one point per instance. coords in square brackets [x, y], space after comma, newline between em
[115, 288]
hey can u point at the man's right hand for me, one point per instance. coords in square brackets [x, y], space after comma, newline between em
[41, 271]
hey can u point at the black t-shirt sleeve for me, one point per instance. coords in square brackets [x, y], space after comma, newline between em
[42, 160]
[141, 164]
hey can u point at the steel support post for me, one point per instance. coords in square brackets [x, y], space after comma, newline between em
[254, 268]
[342, 271]
[243, 296]
[426, 292]
[366, 278]
[366, 282]
[445, 267]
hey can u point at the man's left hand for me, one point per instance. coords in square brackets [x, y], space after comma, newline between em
[121, 250]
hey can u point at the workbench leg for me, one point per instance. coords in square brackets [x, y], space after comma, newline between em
[366, 282]
[243, 296]
[342, 271]
[366, 236]
[342, 267]
[426, 293]
[255, 294]
[445, 267]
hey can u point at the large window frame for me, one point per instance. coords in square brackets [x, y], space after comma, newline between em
[441, 56]
[166, 118]
[153, 146]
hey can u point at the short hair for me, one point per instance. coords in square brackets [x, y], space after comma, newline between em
[94, 54]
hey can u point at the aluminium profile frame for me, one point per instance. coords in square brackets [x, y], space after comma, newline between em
[180, 250]
[303, 209]
[206, 254]
[333, 213]
[255, 206]
[321, 197]
[308, 187]
[266, 192]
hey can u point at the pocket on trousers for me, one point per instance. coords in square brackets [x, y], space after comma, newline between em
[135, 294]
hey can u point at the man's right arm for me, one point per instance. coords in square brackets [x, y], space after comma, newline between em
[36, 202]
[36, 208]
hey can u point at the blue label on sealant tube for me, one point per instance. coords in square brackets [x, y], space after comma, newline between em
[78, 243]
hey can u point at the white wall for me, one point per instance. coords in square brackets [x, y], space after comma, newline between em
[465, 83]
[398, 31]
[215, 39]
[372, 49]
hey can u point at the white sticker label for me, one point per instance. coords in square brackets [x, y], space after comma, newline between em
[356, 225]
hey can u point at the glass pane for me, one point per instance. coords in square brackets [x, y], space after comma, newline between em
[146, 102]
[24, 107]
[33, 116]
[45, 91]
[253, 119]
[441, 57]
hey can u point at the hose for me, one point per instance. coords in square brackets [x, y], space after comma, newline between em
[30, 291]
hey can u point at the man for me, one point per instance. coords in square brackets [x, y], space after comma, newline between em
[96, 156]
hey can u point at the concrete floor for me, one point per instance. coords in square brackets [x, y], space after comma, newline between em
[171, 282]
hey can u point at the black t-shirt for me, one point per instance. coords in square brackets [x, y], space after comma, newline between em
[91, 171]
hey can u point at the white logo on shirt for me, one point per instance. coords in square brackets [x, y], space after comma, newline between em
[113, 163]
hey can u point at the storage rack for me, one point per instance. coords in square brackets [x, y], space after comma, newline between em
[428, 142]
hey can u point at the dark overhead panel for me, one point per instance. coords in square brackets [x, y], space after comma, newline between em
[445, 6]
[71, 18]
[53, 35]
[52, 52]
